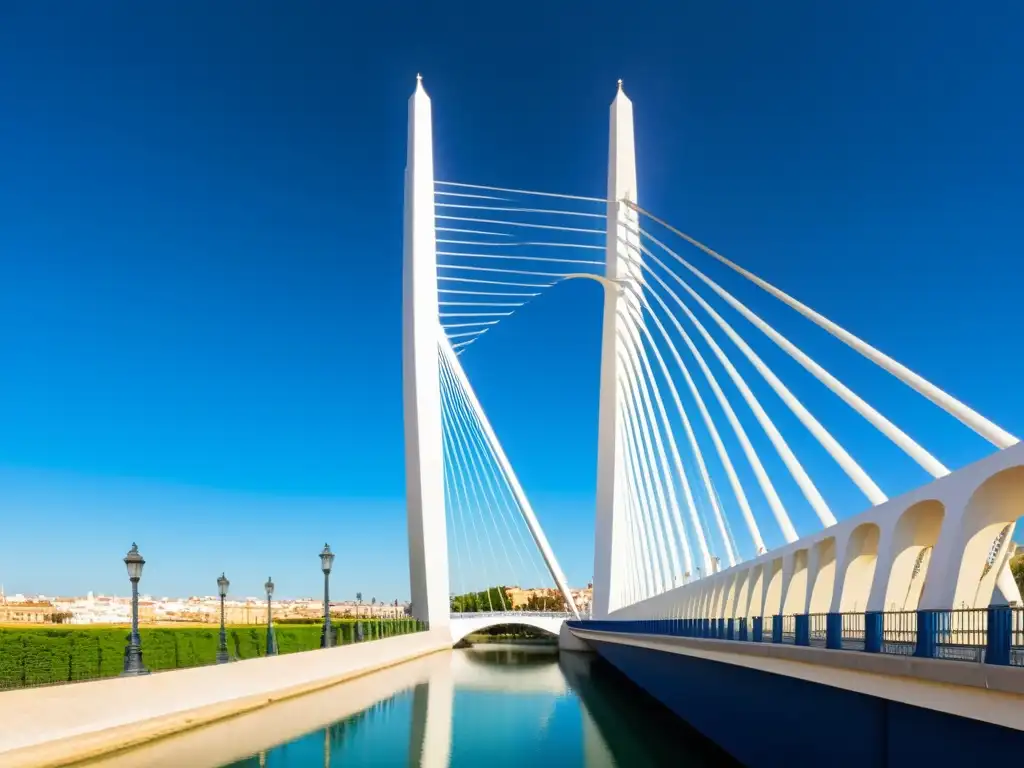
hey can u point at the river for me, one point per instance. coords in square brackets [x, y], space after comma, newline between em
[494, 705]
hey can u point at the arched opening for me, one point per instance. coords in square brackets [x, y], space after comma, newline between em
[705, 602]
[1010, 581]
[718, 601]
[824, 576]
[688, 603]
[986, 530]
[730, 598]
[796, 592]
[913, 542]
[773, 595]
[739, 610]
[859, 563]
[755, 604]
[521, 633]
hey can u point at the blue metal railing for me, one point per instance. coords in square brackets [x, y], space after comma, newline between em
[851, 631]
[788, 629]
[899, 633]
[982, 635]
[1017, 638]
[817, 633]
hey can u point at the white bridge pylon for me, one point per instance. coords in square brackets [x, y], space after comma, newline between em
[707, 458]
[454, 461]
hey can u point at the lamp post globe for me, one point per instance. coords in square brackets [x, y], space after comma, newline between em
[222, 646]
[326, 563]
[271, 645]
[326, 559]
[134, 561]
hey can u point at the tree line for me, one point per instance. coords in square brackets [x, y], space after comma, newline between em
[497, 599]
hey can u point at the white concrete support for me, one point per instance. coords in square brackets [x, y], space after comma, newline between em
[610, 551]
[424, 470]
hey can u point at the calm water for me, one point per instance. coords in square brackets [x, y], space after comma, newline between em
[489, 706]
[503, 706]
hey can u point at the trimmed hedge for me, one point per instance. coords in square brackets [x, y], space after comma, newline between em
[60, 654]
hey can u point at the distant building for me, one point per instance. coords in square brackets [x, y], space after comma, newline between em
[23, 611]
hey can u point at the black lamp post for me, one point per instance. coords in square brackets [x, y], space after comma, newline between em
[222, 648]
[326, 561]
[359, 613]
[269, 586]
[133, 652]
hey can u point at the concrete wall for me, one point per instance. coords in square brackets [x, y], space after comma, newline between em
[767, 719]
[44, 726]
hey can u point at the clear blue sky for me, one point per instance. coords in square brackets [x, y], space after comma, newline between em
[200, 248]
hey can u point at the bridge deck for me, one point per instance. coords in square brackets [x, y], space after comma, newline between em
[992, 694]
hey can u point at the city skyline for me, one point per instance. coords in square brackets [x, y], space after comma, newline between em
[90, 608]
[200, 291]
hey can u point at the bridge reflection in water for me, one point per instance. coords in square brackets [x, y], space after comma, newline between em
[487, 705]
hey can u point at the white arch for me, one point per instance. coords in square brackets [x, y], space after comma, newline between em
[462, 627]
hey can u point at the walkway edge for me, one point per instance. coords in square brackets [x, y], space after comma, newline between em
[89, 747]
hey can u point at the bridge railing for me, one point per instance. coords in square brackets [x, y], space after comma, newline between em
[851, 637]
[991, 636]
[817, 629]
[788, 629]
[1017, 638]
[899, 633]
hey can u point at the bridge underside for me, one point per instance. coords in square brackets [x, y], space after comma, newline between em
[848, 717]
[463, 627]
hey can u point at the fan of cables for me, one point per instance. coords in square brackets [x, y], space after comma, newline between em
[497, 251]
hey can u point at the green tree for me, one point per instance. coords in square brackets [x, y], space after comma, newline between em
[546, 603]
[1017, 569]
[492, 599]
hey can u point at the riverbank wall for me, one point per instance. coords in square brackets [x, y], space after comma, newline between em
[62, 725]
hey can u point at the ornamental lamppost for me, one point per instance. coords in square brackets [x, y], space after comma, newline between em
[359, 613]
[222, 648]
[326, 561]
[269, 586]
[133, 652]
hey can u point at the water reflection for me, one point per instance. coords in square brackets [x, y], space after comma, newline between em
[495, 705]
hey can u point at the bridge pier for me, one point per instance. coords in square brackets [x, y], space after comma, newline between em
[567, 641]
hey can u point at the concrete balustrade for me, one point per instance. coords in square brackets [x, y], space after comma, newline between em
[58, 725]
[927, 549]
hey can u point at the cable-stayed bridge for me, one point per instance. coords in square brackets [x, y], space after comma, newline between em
[686, 490]
[723, 443]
